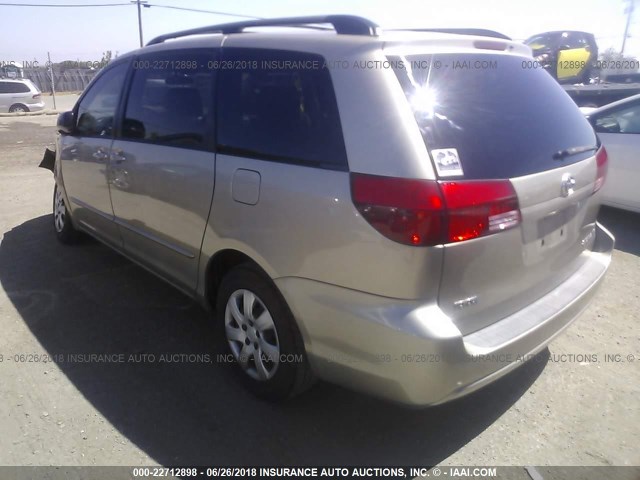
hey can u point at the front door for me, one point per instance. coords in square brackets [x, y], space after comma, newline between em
[85, 155]
[162, 166]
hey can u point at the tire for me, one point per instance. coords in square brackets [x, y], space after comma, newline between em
[18, 107]
[65, 232]
[265, 341]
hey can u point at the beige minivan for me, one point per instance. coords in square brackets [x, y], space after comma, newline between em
[411, 214]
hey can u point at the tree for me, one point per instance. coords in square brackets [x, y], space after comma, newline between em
[106, 57]
[614, 62]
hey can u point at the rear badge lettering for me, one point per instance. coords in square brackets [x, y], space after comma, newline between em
[568, 185]
[447, 162]
[467, 302]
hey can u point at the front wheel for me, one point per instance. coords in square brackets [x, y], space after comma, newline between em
[65, 232]
[262, 336]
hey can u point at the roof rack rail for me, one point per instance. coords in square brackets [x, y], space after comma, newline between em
[342, 24]
[481, 32]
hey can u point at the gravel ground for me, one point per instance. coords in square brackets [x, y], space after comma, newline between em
[54, 301]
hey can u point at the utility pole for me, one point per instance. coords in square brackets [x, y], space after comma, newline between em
[629, 12]
[139, 3]
[53, 87]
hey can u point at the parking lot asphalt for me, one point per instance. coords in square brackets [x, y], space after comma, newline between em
[576, 403]
[64, 101]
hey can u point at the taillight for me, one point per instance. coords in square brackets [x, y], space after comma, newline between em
[406, 210]
[477, 208]
[428, 212]
[602, 161]
[37, 95]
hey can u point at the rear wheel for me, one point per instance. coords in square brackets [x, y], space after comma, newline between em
[62, 225]
[262, 336]
[18, 108]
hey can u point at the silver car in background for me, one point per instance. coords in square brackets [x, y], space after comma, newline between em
[618, 126]
[20, 95]
[408, 214]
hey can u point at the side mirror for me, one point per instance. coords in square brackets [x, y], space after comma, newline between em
[66, 122]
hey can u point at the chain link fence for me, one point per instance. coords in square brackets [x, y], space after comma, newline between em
[64, 80]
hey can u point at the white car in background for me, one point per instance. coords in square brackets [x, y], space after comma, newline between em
[618, 126]
[19, 95]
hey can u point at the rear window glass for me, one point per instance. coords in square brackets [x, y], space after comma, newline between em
[502, 118]
[14, 87]
[280, 106]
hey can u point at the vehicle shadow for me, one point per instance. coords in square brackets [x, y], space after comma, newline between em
[89, 300]
[625, 226]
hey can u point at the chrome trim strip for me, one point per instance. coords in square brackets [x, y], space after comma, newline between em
[154, 238]
[81, 204]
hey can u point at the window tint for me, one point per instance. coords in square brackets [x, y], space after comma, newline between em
[623, 120]
[547, 40]
[279, 106]
[14, 87]
[98, 107]
[504, 120]
[171, 99]
[573, 40]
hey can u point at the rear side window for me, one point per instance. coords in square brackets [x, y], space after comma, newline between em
[280, 106]
[171, 99]
[97, 109]
[502, 118]
[14, 87]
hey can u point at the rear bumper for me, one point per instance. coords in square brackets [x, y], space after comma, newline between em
[35, 107]
[412, 353]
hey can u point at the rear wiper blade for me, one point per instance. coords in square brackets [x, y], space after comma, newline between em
[562, 154]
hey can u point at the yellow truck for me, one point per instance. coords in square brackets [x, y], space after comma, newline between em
[569, 56]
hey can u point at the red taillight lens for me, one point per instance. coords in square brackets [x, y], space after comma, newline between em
[477, 208]
[427, 212]
[602, 161]
[408, 211]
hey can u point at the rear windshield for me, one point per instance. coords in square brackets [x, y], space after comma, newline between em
[500, 117]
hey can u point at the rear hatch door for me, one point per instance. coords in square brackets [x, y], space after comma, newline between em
[505, 121]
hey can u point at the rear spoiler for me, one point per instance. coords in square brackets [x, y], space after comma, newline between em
[48, 159]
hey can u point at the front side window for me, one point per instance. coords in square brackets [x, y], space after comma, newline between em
[623, 120]
[280, 106]
[97, 108]
[171, 99]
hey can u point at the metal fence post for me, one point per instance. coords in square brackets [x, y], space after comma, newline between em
[53, 87]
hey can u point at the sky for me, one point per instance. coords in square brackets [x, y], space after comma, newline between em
[83, 33]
